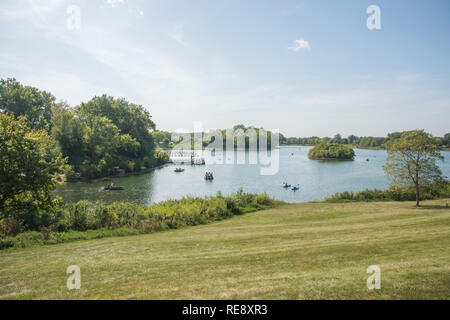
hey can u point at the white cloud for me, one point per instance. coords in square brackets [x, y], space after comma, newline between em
[298, 45]
[115, 3]
[177, 33]
[39, 13]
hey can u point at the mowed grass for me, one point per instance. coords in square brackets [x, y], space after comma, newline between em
[297, 251]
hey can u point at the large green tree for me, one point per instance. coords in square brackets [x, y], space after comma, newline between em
[29, 168]
[412, 161]
[27, 101]
[129, 118]
[104, 133]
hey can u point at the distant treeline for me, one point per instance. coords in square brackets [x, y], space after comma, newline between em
[163, 139]
[244, 137]
[358, 142]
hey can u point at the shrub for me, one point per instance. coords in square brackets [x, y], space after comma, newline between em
[130, 166]
[88, 220]
[161, 158]
[428, 192]
[10, 227]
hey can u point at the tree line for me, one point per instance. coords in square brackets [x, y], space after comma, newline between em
[247, 137]
[163, 139]
[355, 141]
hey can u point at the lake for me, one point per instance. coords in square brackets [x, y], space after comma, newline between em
[317, 179]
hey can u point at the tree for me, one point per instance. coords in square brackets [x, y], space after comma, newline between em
[129, 118]
[446, 140]
[352, 139]
[337, 139]
[102, 134]
[27, 101]
[68, 130]
[29, 169]
[412, 161]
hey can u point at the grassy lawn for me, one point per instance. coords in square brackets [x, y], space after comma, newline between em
[297, 251]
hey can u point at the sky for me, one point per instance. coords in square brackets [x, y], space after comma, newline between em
[303, 67]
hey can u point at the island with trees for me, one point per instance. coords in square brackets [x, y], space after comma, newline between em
[331, 151]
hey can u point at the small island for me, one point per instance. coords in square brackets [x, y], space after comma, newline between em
[331, 151]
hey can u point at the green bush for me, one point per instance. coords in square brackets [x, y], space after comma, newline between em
[161, 158]
[10, 227]
[427, 192]
[88, 220]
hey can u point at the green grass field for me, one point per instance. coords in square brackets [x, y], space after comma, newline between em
[297, 251]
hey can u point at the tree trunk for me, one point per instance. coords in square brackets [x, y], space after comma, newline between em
[417, 195]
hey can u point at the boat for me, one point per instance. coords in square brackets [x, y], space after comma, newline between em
[286, 185]
[296, 188]
[209, 176]
[179, 170]
[113, 188]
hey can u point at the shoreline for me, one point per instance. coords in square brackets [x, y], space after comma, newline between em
[106, 178]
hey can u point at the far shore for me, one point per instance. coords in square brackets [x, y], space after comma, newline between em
[108, 178]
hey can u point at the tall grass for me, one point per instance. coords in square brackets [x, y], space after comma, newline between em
[393, 194]
[89, 220]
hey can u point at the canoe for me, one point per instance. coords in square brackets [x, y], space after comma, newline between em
[113, 188]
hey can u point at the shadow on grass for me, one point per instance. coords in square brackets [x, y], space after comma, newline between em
[433, 207]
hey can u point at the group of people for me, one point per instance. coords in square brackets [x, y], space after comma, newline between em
[209, 176]
[287, 186]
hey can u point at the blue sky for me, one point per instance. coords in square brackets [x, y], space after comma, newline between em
[228, 62]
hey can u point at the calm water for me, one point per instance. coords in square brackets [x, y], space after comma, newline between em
[316, 179]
